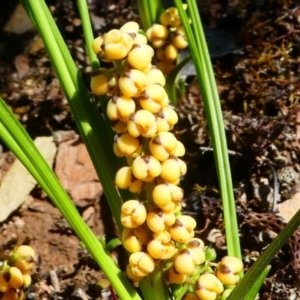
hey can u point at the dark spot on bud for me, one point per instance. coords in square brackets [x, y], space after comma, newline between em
[173, 157]
[198, 286]
[114, 99]
[177, 224]
[193, 244]
[224, 269]
[6, 276]
[126, 74]
[135, 46]
[160, 114]
[132, 34]
[184, 251]
[97, 72]
[146, 158]
[144, 96]
[156, 140]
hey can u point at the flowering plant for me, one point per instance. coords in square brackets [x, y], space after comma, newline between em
[166, 259]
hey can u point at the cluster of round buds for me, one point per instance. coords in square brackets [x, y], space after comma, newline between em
[14, 273]
[142, 119]
[217, 285]
[154, 229]
[168, 39]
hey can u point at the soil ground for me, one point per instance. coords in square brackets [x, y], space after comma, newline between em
[254, 47]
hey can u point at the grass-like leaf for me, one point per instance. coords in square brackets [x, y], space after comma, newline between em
[205, 75]
[93, 129]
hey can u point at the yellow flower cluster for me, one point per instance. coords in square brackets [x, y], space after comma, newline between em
[14, 273]
[168, 39]
[155, 230]
[210, 286]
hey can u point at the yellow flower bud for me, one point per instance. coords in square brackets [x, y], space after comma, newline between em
[172, 169]
[183, 228]
[142, 122]
[156, 249]
[195, 243]
[141, 263]
[96, 45]
[170, 250]
[13, 295]
[4, 282]
[131, 276]
[147, 69]
[158, 43]
[125, 180]
[157, 35]
[104, 81]
[179, 150]
[162, 236]
[146, 168]
[191, 296]
[130, 27]
[171, 207]
[158, 31]
[174, 277]
[155, 75]
[133, 213]
[228, 268]
[166, 66]
[118, 126]
[208, 287]
[132, 83]
[154, 98]
[179, 39]
[133, 239]
[144, 53]
[166, 119]
[171, 52]
[26, 279]
[183, 263]
[117, 44]
[126, 143]
[117, 151]
[136, 186]
[15, 277]
[165, 193]
[25, 258]
[120, 108]
[140, 39]
[162, 145]
[170, 17]
[157, 220]
[195, 246]
[161, 250]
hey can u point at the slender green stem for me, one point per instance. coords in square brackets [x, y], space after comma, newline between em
[155, 9]
[153, 286]
[205, 75]
[144, 12]
[88, 32]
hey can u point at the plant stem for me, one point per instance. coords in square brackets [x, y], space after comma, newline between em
[205, 75]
